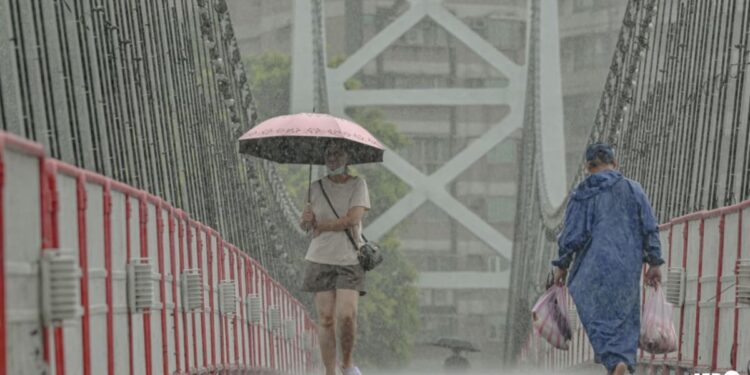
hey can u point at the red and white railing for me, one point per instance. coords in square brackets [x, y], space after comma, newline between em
[96, 279]
[707, 278]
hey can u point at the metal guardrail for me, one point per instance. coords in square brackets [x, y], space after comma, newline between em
[709, 267]
[99, 277]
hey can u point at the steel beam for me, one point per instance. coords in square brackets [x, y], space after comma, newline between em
[430, 187]
[463, 280]
[551, 105]
[426, 97]
[303, 71]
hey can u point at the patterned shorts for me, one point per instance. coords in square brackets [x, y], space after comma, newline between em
[324, 277]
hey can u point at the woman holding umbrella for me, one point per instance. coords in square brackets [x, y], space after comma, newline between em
[335, 206]
[332, 271]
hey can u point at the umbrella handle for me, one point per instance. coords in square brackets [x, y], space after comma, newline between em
[309, 182]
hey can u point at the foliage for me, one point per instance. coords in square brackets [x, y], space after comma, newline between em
[388, 315]
[270, 76]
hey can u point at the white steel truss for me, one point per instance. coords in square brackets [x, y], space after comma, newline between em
[433, 187]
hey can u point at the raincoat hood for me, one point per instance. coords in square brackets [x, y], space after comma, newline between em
[596, 183]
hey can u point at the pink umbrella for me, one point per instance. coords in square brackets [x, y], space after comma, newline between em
[302, 139]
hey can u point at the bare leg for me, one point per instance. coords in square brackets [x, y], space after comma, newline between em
[325, 303]
[346, 315]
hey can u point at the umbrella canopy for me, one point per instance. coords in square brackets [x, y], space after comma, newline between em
[452, 343]
[302, 139]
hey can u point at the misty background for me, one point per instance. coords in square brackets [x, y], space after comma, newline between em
[426, 295]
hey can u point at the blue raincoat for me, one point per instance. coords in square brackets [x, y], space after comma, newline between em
[610, 231]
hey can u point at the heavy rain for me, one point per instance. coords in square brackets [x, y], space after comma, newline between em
[372, 187]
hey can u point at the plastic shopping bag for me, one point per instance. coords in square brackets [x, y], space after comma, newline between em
[550, 317]
[658, 335]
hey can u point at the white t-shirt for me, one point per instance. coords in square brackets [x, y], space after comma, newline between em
[335, 247]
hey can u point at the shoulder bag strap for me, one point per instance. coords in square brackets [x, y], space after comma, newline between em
[336, 213]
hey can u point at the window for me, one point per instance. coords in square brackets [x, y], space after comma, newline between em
[428, 264]
[412, 37]
[425, 297]
[431, 34]
[475, 262]
[431, 213]
[442, 297]
[474, 82]
[383, 16]
[583, 5]
[586, 52]
[590, 5]
[494, 333]
[501, 209]
[445, 262]
[368, 20]
[602, 50]
[583, 57]
[496, 82]
[505, 152]
[445, 325]
[428, 153]
[479, 25]
[436, 326]
[496, 263]
[505, 34]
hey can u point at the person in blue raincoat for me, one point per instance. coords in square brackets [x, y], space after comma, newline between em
[609, 232]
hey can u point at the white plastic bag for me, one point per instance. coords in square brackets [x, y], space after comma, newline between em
[658, 335]
[550, 317]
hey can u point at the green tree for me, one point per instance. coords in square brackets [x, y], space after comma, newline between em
[389, 314]
[269, 76]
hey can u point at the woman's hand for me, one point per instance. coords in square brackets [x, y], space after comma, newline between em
[560, 275]
[653, 276]
[308, 218]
